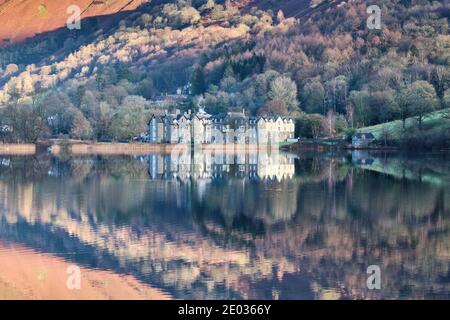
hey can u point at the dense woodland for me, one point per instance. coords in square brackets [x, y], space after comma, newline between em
[327, 70]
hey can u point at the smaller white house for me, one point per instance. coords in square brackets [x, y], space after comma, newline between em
[362, 139]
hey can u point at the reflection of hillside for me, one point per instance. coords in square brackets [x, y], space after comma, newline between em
[133, 221]
[311, 235]
[426, 168]
[341, 227]
[23, 269]
[176, 261]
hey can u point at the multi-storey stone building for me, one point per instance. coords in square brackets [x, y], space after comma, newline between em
[223, 128]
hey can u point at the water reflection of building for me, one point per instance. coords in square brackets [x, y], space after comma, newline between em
[329, 230]
[208, 165]
[133, 226]
[361, 158]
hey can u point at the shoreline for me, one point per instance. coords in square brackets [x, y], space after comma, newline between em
[322, 146]
[17, 149]
[57, 147]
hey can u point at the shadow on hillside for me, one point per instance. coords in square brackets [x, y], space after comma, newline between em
[61, 42]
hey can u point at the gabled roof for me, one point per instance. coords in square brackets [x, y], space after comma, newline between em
[159, 118]
[254, 119]
[232, 118]
[219, 116]
[235, 119]
[364, 135]
[168, 118]
[203, 116]
[270, 117]
[184, 116]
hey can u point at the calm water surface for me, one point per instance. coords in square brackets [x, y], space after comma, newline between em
[257, 226]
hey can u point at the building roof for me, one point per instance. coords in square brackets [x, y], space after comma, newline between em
[154, 117]
[364, 135]
[202, 114]
[275, 117]
[228, 118]
[171, 118]
[219, 116]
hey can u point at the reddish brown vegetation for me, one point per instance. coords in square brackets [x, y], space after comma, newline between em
[38, 16]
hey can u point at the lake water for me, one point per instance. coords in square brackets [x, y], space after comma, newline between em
[251, 226]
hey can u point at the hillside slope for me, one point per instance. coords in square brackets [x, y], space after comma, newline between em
[41, 32]
[323, 62]
[38, 16]
[435, 131]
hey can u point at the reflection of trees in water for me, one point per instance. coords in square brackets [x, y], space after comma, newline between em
[122, 221]
[245, 203]
[242, 199]
[257, 238]
[108, 189]
[346, 219]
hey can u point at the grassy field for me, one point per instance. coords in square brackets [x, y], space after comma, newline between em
[434, 123]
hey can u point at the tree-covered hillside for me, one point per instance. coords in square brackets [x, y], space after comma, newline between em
[323, 66]
[26, 18]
